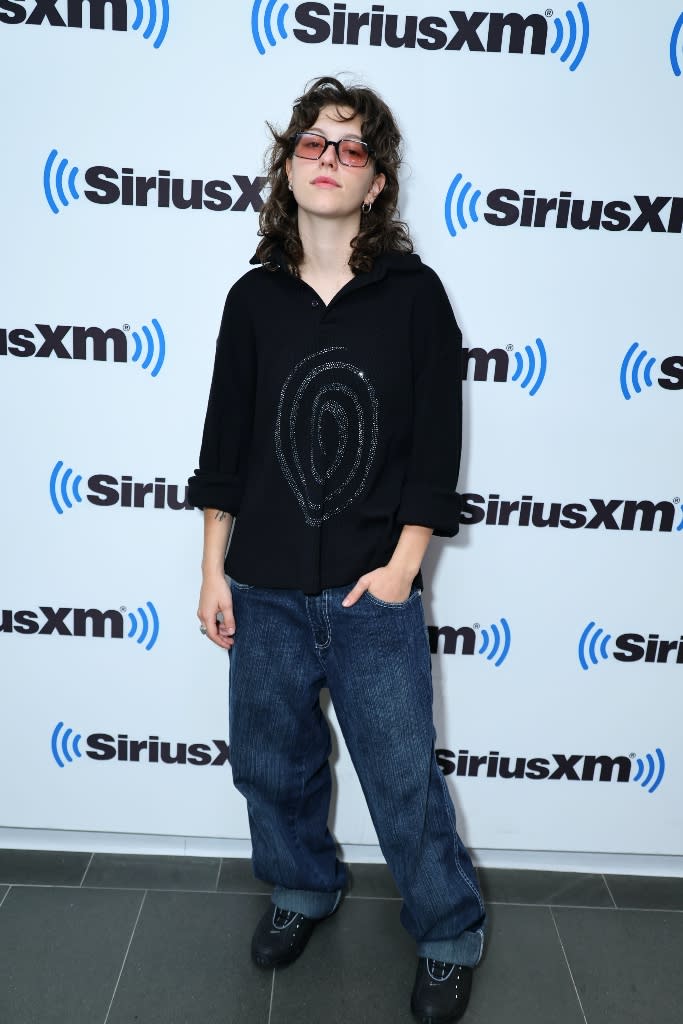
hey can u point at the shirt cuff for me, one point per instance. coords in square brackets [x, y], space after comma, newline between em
[215, 490]
[424, 505]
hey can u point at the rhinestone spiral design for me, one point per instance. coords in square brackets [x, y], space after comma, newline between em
[326, 480]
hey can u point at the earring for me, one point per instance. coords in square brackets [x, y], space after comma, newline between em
[366, 207]
[289, 183]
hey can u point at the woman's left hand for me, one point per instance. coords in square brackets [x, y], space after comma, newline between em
[388, 583]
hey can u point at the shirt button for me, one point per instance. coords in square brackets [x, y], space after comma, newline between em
[315, 303]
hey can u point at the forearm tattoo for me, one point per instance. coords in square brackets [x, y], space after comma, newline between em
[220, 516]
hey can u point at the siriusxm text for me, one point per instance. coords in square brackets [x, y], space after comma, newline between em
[106, 491]
[570, 767]
[631, 647]
[65, 341]
[108, 185]
[507, 207]
[597, 513]
[477, 31]
[66, 14]
[153, 750]
[63, 622]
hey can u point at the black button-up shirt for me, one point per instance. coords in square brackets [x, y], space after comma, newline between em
[329, 427]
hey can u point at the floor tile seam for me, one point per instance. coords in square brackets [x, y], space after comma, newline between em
[272, 998]
[557, 906]
[630, 910]
[585, 906]
[117, 888]
[87, 867]
[125, 957]
[376, 899]
[516, 903]
[566, 960]
[148, 888]
[386, 899]
[609, 890]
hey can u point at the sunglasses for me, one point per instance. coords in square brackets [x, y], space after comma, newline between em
[350, 152]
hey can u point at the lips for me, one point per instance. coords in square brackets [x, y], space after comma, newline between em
[322, 180]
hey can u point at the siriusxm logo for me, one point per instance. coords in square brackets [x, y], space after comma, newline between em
[88, 343]
[506, 207]
[676, 46]
[162, 190]
[629, 647]
[636, 371]
[143, 624]
[558, 767]
[609, 514]
[530, 365]
[101, 746]
[495, 640]
[151, 17]
[456, 31]
[105, 491]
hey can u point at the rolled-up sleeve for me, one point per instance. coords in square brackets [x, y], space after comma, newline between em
[219, 480]
[429, 496]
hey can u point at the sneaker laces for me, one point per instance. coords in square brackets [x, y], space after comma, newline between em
[283, 918]
[441, 970]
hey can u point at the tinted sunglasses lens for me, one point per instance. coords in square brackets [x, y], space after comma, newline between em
[308, 146]
[353, 153]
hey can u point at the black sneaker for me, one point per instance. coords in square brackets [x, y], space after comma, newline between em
[280, 937]
[441, 991]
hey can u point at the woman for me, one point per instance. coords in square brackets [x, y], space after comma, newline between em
[330, 456]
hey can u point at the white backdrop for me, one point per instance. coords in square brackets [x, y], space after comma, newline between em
[540, 632]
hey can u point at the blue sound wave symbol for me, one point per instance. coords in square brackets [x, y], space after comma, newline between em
[60, 744]
[56, 185]
[588, 645]
[152, 16]
[64, 487]
[679, 528]
[632, 365]
[268, 13]
[145, 624]
[533, 361]
[673, 45]
[154, 346]
[500, 642]
[572, 31]
[460, 204]
[655, 772]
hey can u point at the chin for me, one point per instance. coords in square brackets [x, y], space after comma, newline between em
[328, 206]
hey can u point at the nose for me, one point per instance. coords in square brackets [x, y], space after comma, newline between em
[329, 153]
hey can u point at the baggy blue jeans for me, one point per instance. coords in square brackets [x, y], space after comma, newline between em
[374, 658]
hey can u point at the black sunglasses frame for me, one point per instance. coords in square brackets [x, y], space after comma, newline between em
[329, 142]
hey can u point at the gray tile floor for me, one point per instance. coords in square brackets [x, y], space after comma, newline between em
[121, 939]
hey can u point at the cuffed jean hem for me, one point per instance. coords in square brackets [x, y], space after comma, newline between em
[304, 901]
[467, 949]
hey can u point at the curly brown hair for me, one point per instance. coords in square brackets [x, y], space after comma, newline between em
[380, 229]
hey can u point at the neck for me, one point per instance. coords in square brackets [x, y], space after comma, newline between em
[327, 243]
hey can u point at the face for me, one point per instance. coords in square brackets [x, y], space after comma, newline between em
[325, 187]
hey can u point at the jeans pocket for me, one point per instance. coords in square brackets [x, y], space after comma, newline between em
[394, 604]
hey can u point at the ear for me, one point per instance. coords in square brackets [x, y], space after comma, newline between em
[378, 183]
[288, 168]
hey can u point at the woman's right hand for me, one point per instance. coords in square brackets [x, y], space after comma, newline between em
[215, 597]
